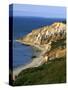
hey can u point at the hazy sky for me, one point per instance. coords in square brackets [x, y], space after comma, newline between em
[39, 11]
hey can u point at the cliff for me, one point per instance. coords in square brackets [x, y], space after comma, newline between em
[44, 36]
[47, 38]
[51, 40]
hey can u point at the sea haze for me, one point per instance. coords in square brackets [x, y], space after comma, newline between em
[21, 26]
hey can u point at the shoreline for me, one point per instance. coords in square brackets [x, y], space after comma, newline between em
[45, 53]
[30, 44]
[34, 63]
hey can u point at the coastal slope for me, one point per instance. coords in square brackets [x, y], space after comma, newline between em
[45, 35]
[51, 40]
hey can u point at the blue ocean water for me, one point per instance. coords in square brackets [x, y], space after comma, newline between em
[21, 26]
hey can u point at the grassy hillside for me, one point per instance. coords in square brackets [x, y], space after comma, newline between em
[53, 72]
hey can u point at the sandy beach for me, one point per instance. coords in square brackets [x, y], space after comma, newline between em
[35, 63]
[43, 45]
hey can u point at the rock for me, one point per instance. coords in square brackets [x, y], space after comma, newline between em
[51, 40]
[43, 37]
[45, 34]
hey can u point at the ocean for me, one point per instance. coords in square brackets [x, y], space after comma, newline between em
[22, 54]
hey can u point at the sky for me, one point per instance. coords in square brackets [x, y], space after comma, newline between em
[38, 11]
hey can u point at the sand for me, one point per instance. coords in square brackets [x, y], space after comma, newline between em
[35, 63]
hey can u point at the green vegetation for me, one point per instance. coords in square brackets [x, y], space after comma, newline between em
[52, 72]
[59, 43]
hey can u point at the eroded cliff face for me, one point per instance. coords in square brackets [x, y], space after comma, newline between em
[45, 34]
[49, 39]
